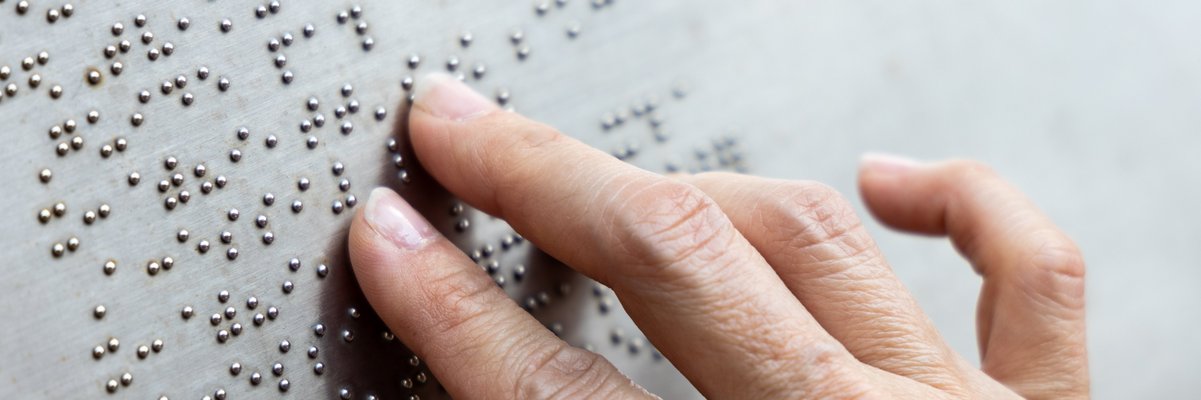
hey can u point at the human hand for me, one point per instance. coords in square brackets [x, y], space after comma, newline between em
[753, 288]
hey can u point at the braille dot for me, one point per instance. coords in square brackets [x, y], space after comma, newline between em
[337, 207]
[287, 39]
[223, 84]
[272, 312]
[344, 184]
[260, 11]
[311, 142]
[73, 243]
[156, 345]
[380, 113]
[203, 246]
[68, 10]
[137, 119]
[268, 238]
[98, 352]
[152, 54]
[99, 311]
[222, 336]
[306, 126]
[143, 351]
[187, 312]
[44, 215]
[183, 23]
[219, 394]
[226, 25]
[153, 268]
[139, 20]
[35, 80]
[227, 237]
[45, 175]
[235, 369]
[297, 206]
[523, 53]
[348, 335]
[168, 48]
[235, 329]
[187, 99]
[287, 77]
[77, 142]
[319, 120]
[124, 46]
[118, 28]
[284, 385]
[230, 312]
[182, 236]
[284, 346]
[256, 378]
[111, 386]
[271, 141]
[258, 319]
[319, 368]
[347, 127]
[361, 27]
[167, 87]
[62, 148]
[235, 155]
[104, 210]
[202, 73]
[309, 30]
[147, 37]
[206, 187]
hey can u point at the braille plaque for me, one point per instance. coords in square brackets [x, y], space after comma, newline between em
[179, 177]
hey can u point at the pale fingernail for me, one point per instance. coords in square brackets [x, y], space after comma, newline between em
[887, 163]
[445, 97]
[396, 220]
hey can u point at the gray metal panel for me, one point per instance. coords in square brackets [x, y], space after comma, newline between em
[624, 83]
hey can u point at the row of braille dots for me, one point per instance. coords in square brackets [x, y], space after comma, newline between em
[235, 329]
[76, 143]
[543, 7]
[488, 258]
[126, 379]
[167, 48]
[360, 26]
[644, 109]
[34, 78]
[617, 336]
[59, 209]
[177, 180]
[723, 153]
[348, 335]
[52, 14]
[341, 112]
[286, 40]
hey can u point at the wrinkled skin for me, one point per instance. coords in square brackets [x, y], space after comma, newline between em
[752, 287]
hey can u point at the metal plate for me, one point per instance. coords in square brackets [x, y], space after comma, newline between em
[144, 138]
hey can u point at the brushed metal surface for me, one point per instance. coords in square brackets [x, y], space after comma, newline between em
[652, 82]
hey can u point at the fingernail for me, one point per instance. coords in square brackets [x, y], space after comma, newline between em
[445, 97]
[395, 219]
[888, 163]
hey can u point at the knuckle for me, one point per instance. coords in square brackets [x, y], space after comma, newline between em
[817, 220]
[561, 372]
[458, 301]
[670, 227]
[1056, 273]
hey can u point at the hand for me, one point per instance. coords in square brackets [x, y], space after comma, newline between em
[753, 288]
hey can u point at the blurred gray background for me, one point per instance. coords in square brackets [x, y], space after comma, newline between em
[1092, 107]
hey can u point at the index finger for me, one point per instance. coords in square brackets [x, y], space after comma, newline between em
[698, 289]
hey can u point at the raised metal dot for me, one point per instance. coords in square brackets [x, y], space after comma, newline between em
[143, 351]
[152, 54]
[227, 237]
[202, 73]
[272, 312]
[319, 120]
[219, 394]
[284, 385]
[235, 155]
[77, 142]
[99, 311]
[137, 119]
[284, 346]
[168, 48]
[156, 345]
[322, 271]
[268, 238]
[111, 386]
[44, 215]
[200, 170]
[226, 25]
[230, 312]
[344, 184]
[287, 287]
[297, 206]
[337, 207]
[109, 267]
[221, 181]
[203, 246]
[153, 268]
[147, 37]
[168, 262]
[182, 236]
[348, 335]
[271, 141]
[223, 84]
[256, 378]
[319, 368]
[187, 312]
[523, 53]
[287, 77]
[35, 80]
[235, 329]
[118, 28]
[222, 336]
[258, 319]
[347, 127]
[73, 243]
[287, 39]
[347, 90]
[235, 369]
[98, 352]
[206, 187]
[309, 30]
[306, 126]
[183, 23]
[311, 142]
[260, 11]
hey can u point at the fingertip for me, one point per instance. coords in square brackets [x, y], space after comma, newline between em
[446, 97]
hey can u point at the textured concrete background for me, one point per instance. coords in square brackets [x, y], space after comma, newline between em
[1092, 107]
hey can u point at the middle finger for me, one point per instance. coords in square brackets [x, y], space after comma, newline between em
[703, 295]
